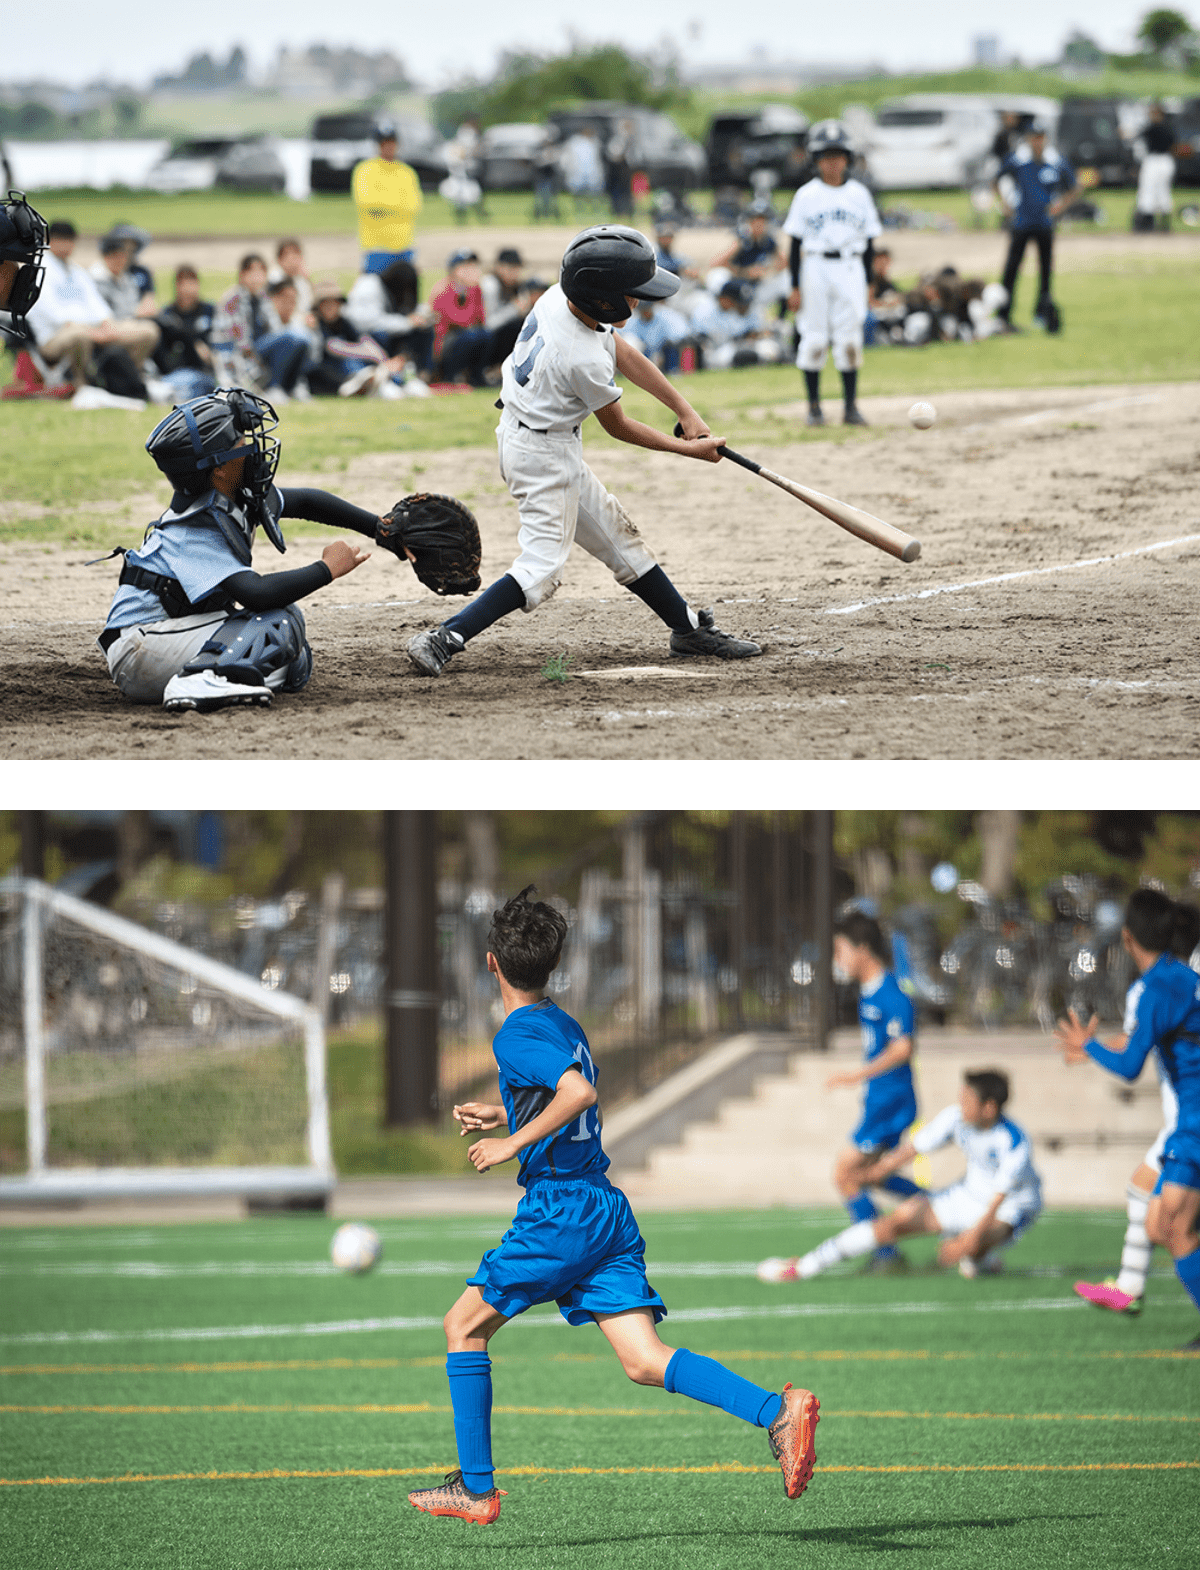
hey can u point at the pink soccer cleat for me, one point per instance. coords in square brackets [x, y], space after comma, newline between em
[776, 1269]
[1106, 1294]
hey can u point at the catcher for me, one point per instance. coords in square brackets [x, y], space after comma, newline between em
[192, 625]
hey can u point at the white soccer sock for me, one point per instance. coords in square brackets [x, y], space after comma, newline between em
[855, 1240]
[1135, 1256]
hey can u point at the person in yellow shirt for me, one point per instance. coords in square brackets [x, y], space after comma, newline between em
[387, 195]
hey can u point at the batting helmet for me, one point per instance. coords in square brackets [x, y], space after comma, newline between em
[604, 264]
[22, 239]
[203, 433]
[828, 136]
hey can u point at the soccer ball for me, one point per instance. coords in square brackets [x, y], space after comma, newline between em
[355, 1248]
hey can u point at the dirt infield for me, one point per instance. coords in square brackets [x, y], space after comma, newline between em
[1049, 616]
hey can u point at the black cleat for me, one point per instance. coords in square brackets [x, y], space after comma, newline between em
[815, 417]
[852, 416]
[431, 651]
[1192, 1346]
[707, 638]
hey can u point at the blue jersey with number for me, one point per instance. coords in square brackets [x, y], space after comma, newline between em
[1166, 1017]
[534, 1048]
[885, 1014]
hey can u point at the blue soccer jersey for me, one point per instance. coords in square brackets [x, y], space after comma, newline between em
[534, 1048]
[885, 1014]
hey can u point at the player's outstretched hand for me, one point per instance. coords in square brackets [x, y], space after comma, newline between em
[1072, 1034]
[476, 1116]
[341, 558]
[487, 1153]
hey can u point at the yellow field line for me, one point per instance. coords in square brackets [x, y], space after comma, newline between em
[373, 1407]
[305, 1364]
[582, 1471]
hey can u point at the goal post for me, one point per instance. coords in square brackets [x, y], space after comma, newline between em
[131, 1065]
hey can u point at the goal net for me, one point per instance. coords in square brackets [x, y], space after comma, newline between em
[131, 1065]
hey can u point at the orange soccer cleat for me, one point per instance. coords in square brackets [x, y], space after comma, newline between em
[455, 1498]
[793, 1439]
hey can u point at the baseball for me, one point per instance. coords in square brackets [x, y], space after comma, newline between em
[922, 415]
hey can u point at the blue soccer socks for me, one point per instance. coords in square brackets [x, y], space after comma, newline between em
[470, 1375]
[862, 1207]
[501, 599]
[904, 1187]
[1188, 1271]
[702, 1379]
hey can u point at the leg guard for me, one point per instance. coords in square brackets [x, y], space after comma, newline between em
[252, 647]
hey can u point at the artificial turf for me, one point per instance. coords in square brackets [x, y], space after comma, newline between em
[215, 1396]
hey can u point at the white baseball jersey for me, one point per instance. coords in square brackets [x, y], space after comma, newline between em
[833, 217]
[560, 370]
[999, 1159]
[1170, 1101]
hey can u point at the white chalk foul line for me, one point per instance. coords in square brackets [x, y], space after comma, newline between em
[538, 1319]
[153, 1270]
[1010, 577]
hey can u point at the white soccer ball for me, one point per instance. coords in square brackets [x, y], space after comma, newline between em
[922, 415]
[355, 1248]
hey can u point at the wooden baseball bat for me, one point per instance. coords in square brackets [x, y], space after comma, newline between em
[886, 536]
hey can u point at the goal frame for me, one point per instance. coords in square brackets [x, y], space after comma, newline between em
[313, 1181]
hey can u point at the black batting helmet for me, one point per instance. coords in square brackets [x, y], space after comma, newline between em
[604, 264]
[203, 433]
[23, 237]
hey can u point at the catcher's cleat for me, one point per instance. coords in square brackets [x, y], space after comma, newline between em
[431, 651]
[793, 1439]
[205, 691]
[776, 1269]
[815, 417]
[455, 1498]
[707, 638]
[1106, 1294]
[853, 417]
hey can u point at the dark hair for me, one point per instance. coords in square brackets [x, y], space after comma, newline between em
[527, 938]
[249, 260]
[1150, 917]
[286, 245]
[864, 932]
[509, 256]
[186, 270]
[63, 229]
[989, 1084]
[1186, 933]
[281, 284]
[111, 244]
[402, 286]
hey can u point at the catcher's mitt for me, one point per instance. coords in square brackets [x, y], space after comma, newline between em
[443, 536]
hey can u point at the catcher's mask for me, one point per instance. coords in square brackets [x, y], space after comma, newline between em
[198, 436]
[23, 236]
[604, 264]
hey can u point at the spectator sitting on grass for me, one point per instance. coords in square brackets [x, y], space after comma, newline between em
[247, 353]
[731, 330]
[136, 238]
[118, 288]
[505, 303]
[387, 306]
[462, 345]
[183, 357]
[289, 263]
[71, 321]
[349, 363]
[659, 332]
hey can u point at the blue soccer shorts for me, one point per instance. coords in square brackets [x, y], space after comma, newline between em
[880, 1131]
[576, 1243]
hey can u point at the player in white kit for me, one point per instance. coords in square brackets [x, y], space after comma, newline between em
[999, 1196]
[832, 221]
[562, 369]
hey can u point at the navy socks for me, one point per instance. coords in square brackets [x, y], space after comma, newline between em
[501, 599]
[689, 1374]
[903, 1186]
[470, 1375]
[663, 598]
[862, 1206]
[849, 387]
[812, 381]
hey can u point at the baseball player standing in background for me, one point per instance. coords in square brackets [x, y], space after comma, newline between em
[387, 195]
[1045, 185]
[1156, 171]
[833, 221]
[563, 369]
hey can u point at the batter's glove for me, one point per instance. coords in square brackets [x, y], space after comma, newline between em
[443, 538]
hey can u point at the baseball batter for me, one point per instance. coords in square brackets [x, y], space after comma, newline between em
[832, 222]
[563, 369]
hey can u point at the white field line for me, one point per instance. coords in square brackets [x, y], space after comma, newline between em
[535, 1318]
[1129, 401]
[1010, 577]
[321, 1267]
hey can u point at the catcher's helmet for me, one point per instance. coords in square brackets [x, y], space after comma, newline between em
[199, 435]
[828, 136]
[22, 239]
[604, 264]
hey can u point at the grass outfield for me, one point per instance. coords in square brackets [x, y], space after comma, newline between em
[213, 1396]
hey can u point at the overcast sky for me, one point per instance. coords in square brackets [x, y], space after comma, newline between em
[131, 40]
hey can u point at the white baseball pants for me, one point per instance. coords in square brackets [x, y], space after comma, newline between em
[561, 501]
[144, 658]
[1154, 183]
[832, 311]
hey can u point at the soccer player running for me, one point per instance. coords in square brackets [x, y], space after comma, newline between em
[574, 1239]
[1167, 1018]
[999, 1197]
[885, 1014]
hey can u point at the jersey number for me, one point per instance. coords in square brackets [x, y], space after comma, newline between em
[582, 1128]
[523, 369]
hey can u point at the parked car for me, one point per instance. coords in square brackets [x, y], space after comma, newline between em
[236, 163]
[930, 140]
[339, 141]
[507, 156]
[1089, 138]
[671, 160]
[741, 142]
[1187, 129]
